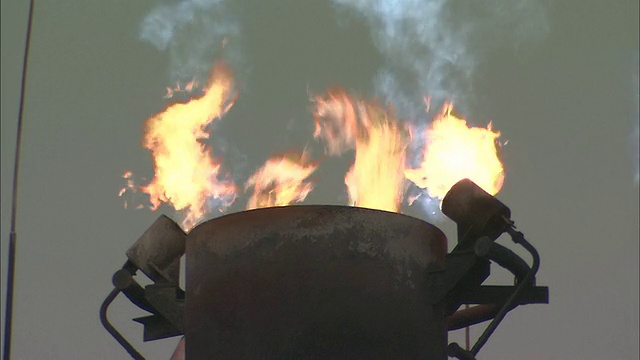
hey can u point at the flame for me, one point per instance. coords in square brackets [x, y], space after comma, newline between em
[189, 179]
[376, 179]
[336, 121]
[455, 151]
[129, 187]
[186, 175]
[128, 175]
[189, 87]
[280, 181]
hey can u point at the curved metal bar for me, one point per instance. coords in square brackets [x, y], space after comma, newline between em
[518, 238]
[116, 335]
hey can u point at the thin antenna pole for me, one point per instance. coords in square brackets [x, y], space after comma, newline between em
[14, 199]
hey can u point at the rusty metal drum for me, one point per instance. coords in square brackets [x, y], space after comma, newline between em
[314, 282]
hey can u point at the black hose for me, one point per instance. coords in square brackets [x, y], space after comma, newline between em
[487, 248]
[518, 238]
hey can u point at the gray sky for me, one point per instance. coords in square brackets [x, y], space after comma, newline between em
[560, 81]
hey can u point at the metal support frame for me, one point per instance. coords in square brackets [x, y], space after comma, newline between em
[164, 300]
[499, 300]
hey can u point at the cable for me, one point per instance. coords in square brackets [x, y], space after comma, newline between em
[14, 198]
[518, 238]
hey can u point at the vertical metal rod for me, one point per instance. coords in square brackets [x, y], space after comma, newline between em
[9, 304]
[13, 235]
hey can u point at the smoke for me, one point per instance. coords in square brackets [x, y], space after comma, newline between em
[194, 33]
[429, 206]
[430, 47]
[433, 47]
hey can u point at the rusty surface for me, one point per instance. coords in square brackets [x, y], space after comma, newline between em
[314, 282]
[157, 252]
[476, 212]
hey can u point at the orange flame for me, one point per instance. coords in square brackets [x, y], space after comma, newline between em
[186, 175]
[191, 85]
[376, 178]
[280, 181]
[336, 121]
[455, 151]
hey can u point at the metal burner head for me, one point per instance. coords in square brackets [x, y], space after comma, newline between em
[475, 211]
[157, 252]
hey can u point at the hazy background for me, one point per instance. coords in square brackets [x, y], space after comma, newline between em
[558, 79]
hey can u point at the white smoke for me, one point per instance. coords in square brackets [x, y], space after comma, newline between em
[194, 33]
[433, 47]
